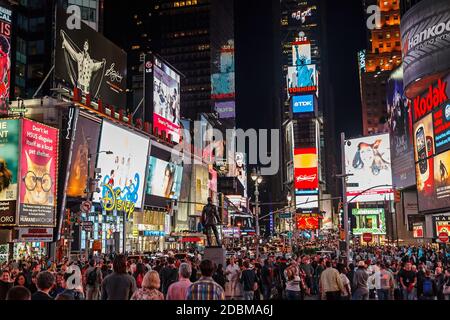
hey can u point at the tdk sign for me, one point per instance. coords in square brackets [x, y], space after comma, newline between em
[303, 104]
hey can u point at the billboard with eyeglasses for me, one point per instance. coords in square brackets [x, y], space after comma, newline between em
[38, 175]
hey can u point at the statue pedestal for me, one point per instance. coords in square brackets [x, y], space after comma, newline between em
[216, 254]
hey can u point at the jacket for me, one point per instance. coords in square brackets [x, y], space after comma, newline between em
[210, 215]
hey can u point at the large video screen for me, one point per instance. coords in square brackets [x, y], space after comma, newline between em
[400, 128]
[301, 53]
[123, 171]
[368, 164]
[166, 99]
[307, 222]
[5, 54]
[306, 169]
[431, 131]
[164, 178]
[302, 79]
[87, 60]
[369, 220]
[39, 174]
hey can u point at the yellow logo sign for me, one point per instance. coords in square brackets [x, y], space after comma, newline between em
[113, 202]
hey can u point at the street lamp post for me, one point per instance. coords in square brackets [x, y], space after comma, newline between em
[257, 179]
[291, 224]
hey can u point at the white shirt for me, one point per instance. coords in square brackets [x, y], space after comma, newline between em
[233, 271]
[345, 283]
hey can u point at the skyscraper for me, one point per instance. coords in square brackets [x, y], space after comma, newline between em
[382, 55]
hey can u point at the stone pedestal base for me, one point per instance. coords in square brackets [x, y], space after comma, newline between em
[216, 254]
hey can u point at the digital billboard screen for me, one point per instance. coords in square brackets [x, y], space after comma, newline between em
[307, 203]
[166, 99]
[431, 136]
[164, 178]
[39, 174]
[368, 164]
[225, 109]
[400, 128]
[303, 104]
[124, 170]
[9, 163]
[5, 55]
[85, 143]
[306, 172]
[301, 53]
[307, 222]
[87, 60]
[302, 79]
[369, 220]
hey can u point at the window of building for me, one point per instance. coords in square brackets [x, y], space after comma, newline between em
[388, 35]
[381, 46]
[36, 47]
[388, 44]
[397, 43]
[36, 71]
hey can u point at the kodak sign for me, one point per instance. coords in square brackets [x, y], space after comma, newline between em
[434, 98]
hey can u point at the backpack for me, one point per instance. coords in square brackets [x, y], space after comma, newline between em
[427, 287]
[91, 279]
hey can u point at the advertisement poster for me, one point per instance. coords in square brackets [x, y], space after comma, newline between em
[5, 55]
[442, 179]
[164, 178]
[86, 59]
[39, 174]
[306, 169]
[441, 224]
[369, 220]
[307, 204]
[166, 100]
[441, 118]
[225, 109]
[302, 79]
[200, 186]
[86, 142]
[301, 53]
[307, 222]
[123, 171]
[400, 128]
[9, 160]
[417, 230]
[303, 103]
[368, 161]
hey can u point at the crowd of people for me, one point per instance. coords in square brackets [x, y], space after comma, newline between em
[376, 273]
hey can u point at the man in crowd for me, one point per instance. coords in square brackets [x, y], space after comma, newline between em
[330, 283]
[233, 272]
[44, 282]
[178, 290]
[92, 280]
[360, 278]
[248, 280]
[205, 288]
[408, 280]
[119, 285]
[168, 275]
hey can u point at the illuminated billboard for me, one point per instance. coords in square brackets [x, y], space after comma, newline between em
[306, 169]
[9, 162]
[87, 60]
[368, 164]
[39, 175]
[166, 99]
[301, 53]
[225, 109]
[369, 220]
[302, 79]
[303, 104]
[308, 222]
[124, 170]
[431, 131]
[5, 55]
[307, 204]
[164, 178]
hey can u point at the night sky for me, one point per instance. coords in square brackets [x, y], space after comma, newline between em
[256, 62]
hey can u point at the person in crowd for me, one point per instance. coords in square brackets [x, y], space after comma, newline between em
[20, 280]
[360, 282]
[178, 290]
[205, 288]
[118, 285]
[330, 283]
[408, 280]
[59, 286]
[293, 284]
[233, 272]
[384, 283]
[267, 278]
[249, 281]
[219, 276]
[18, 293]
[150, 288]
[347, 293]
[139, 274]
[5, 284]
[93, 278]
[429, 289]
[168, 275]
[44, 282]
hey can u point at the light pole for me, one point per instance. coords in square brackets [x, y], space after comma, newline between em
[257, 179]
[291, 224]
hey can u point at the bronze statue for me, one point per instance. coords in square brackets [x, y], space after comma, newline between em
[210, 218]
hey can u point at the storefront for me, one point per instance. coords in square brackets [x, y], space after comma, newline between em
[145, 231]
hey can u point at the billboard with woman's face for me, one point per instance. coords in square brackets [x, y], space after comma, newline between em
[164, 178]
[368, 164]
